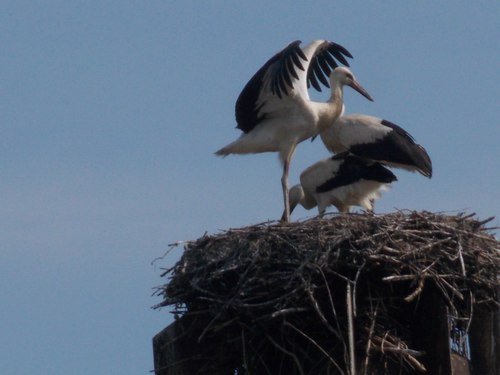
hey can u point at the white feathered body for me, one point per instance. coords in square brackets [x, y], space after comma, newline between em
[354, 182]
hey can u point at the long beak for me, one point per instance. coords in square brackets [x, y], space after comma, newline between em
[356, 86]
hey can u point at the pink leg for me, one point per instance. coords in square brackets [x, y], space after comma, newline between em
[284, 181]
[284, 185]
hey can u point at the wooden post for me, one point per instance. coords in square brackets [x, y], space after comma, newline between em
[496, 335]
[174, 350]
[431, 331]
[483, 341]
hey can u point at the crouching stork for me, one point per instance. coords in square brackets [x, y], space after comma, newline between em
[343, 180]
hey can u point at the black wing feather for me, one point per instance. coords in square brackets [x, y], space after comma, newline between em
[353, 169]
[416, 152]
[318, 71]
[296, 59]
[323, 62]
[291, 68]
[332, 64]
[281, 67]
[398, 146]
[398, 129]
[311, 79]
[341, 49]
[279, 72]
[325, 67]
[337, 55]
[288, 71]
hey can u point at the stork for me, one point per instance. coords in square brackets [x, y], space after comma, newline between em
[343, 180]
[379, 140]
[274, 110]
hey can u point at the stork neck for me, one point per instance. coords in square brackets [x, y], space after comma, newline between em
[337, 91]
[331, 110]
[307, 201]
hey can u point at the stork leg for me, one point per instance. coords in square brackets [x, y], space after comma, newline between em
[371, 210]
[343, 209]
[285, 158]
[284, 185]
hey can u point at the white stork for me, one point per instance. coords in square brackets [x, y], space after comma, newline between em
[343, 180]
[274, 110]
[379, 140]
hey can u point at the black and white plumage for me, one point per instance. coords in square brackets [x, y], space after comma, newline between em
[274, 110]
[343, 180]
[379, 140]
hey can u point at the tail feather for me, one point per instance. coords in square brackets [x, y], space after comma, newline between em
[231, 148]
[224, 151]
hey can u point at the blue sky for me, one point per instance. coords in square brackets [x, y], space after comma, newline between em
[110, 112]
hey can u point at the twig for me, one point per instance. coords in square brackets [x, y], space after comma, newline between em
[369, 341]
[287, 352]
[315, 344]
[291, 310]
[462, 264]
[316, 305]
[334, 311]
[409, 354]
[358, 273]
[243, 348]
[417, 291]
[413, 277]
[350, 320]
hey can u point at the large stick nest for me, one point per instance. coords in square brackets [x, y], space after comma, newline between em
[279, 290]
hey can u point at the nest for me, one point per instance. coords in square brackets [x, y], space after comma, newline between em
[308, 297]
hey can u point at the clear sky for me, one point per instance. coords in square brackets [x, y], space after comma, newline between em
[110, 112]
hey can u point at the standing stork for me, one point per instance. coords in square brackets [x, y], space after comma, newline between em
[343, 180]
[379, 140]
[274, 110]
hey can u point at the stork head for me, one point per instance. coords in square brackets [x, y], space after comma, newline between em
[295, 196]
[345, 77]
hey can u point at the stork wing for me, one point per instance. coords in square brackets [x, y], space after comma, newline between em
[406, 150]
[379, 140]
[353, 169]
[323, 62]
[285, 78]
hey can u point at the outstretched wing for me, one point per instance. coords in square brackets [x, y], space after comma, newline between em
[285, 78]
[323, 61]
